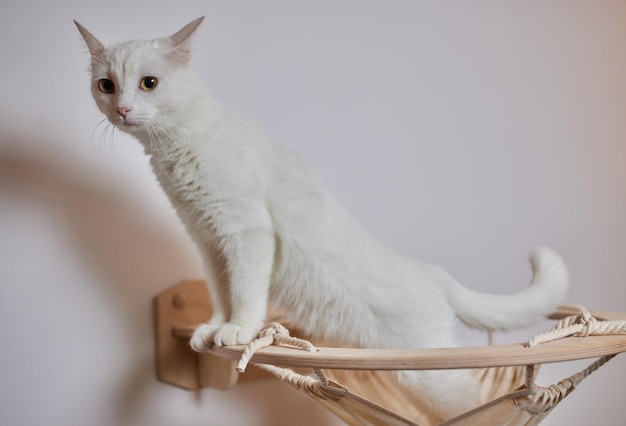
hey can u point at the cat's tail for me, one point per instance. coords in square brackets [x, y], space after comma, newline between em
[494, 312]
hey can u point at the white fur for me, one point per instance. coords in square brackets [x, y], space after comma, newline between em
[282, 237]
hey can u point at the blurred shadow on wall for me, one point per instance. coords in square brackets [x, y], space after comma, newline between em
[119, 238]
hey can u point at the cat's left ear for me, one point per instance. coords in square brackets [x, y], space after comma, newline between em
[182, 43]
[93, 44]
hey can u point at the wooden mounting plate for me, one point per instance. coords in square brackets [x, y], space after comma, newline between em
[188, 304]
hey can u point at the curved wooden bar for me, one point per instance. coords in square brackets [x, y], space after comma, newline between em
[567, 349]
[433, 359]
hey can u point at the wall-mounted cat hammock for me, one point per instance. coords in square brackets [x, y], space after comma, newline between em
[367, 396]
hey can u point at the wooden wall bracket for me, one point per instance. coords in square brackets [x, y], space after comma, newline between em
[188, 304]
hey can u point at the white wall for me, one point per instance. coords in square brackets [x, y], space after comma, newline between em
[463, 133]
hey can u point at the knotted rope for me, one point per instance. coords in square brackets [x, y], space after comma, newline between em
[548, 397]
[274, 334]
[582, 324]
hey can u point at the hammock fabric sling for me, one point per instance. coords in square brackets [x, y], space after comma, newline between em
[356, 384]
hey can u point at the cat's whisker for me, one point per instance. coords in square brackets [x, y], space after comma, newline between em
[156, 143]
[102, 134]
[149, 136]
[172, 140]
[165, 137]
[96, 128]
[164, 140]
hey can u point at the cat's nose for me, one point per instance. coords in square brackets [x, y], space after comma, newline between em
[123, 111]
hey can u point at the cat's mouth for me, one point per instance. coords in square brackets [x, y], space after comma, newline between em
[129, 126]
[126, 123]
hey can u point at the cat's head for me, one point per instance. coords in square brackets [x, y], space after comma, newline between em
[141, 84]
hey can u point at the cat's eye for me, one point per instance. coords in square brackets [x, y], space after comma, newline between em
[148, 83]
[106, 86]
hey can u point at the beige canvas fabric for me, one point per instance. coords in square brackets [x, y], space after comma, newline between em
[370, 398]
[509, 396]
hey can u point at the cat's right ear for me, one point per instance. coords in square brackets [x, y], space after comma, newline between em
[93, 44]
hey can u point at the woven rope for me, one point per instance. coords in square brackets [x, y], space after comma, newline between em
[274, 334]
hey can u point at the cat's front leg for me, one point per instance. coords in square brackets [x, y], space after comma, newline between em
[204, 334]
[249, 261]
[217, 284]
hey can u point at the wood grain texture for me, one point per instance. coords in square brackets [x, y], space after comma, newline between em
[182, 304]
[566, 349]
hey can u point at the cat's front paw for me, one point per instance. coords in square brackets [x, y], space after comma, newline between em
[203, 337]
[222, 335]
[232, 334]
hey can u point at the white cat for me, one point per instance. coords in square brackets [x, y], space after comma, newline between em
[282, 237]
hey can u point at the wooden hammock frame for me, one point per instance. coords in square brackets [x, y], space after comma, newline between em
[179, 309]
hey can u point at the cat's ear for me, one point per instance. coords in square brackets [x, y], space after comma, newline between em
[93, 44]
[182, 43]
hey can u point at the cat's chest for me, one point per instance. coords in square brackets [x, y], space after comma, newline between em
[184, 180]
